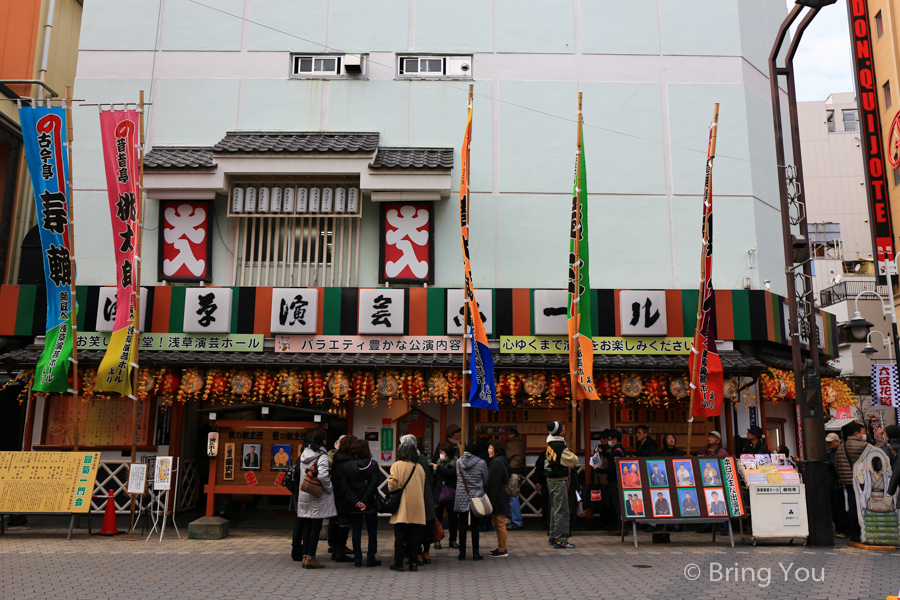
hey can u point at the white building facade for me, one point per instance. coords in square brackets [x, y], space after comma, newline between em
[650, 71]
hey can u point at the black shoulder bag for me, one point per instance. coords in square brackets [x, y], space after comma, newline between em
[391, 503]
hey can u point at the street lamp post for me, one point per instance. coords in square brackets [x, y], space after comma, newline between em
[860, 327]
[811, 420]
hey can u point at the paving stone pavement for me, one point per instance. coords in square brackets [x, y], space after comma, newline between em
[256, 565]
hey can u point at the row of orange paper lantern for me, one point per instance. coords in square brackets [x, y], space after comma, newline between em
[656, 389]
[295, 385]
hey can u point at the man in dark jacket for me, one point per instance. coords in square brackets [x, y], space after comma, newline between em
[342, 502]
[616, 450]
[515, 451]
[646, 445]
[498, 476]
[892, 447]
[848, 452]
[557, 461]
[838, 514]
[755, 438]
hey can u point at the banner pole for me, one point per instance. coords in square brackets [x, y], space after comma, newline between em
[136, 313]
[465, 398]
[68, 109]
[573, 374]
[696, 370]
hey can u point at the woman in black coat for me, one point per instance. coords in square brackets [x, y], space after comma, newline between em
[498, 476]
[445, 473]
[356, 483]
[342, 501]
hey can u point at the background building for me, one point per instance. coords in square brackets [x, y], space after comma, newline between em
[344, 110]
[38, 41]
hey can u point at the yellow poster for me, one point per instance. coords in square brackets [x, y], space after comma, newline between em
[37, 482]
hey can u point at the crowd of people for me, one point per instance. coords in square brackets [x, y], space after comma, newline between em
[343, 487]
[451, 488]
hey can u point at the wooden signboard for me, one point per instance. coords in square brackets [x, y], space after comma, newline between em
[37, 482]
[137, 479]
[101, 423]
[679, 487]
[256, 456]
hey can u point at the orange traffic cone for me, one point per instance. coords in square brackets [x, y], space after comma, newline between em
[109, 518]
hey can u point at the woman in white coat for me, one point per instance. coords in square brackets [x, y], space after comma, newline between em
[311, 510]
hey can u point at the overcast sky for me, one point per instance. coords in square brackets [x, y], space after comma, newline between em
[822, 65]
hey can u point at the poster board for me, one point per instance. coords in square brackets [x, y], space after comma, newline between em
[101, 423]
[137, 479]
[162, 473]
[275, 444]
[37, 482]
[684, 487]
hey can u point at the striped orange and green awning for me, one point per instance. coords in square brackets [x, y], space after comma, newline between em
[742, 315]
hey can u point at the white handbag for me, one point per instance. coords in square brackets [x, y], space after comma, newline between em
[481, 505]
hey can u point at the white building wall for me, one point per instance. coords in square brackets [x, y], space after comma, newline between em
[834, 176]
[650, 71]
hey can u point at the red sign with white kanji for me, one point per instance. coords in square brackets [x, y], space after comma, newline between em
[884, 385]
[407, 243]
[185, 245]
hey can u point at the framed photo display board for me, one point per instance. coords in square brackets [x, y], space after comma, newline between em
[679, 487]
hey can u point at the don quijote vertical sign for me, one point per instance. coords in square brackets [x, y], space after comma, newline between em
[870, 133]
[407, 243]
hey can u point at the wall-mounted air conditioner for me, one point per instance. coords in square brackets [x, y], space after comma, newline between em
[353, 64]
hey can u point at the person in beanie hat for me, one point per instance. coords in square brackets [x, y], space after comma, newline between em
[454, 438]
[557, 460]
[755, 437]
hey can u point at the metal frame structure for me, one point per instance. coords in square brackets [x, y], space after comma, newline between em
[798, 272]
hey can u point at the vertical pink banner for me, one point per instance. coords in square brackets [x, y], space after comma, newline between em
[121, 156]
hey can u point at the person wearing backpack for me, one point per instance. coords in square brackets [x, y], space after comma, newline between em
[407, 476]
[356, 482]
[313, 509]
[499, 473]
[558, 459]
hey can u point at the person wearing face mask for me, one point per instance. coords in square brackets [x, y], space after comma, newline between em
[848, 452]
[445, 473]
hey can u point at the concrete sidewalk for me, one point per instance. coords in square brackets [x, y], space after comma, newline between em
[256, 564]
